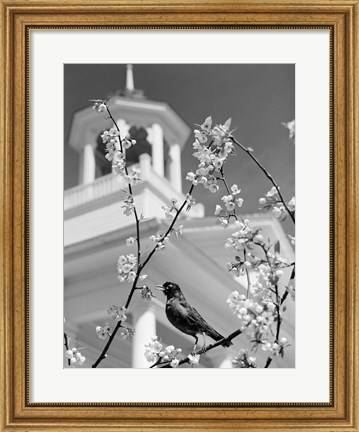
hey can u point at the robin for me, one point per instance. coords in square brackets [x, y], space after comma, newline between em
[185, 317]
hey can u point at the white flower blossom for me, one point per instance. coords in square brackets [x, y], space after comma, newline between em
[154, 351]
[127, 267]
[194, 359]
[128, 205]
[103, 332]
[99, 105]
[244, 360]
[130, 241]
[291, 128]
[75, 357]
[117, 313]
[133, 177]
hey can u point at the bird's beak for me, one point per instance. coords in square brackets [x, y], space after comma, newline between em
[159, 288]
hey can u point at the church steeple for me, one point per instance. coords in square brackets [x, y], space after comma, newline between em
[159, 131]
[130, 85]
[129, 90]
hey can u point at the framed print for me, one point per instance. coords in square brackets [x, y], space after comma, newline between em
[171, 174]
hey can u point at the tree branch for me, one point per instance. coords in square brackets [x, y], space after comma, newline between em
[207, 348]
[66, 344]
[267, 174]
[140, 266]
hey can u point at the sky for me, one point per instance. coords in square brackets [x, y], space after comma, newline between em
[258, 97]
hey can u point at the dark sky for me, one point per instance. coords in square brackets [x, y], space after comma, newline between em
[258, 98]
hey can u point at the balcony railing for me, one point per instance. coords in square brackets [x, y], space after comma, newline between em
[113, 183]
[101, 187]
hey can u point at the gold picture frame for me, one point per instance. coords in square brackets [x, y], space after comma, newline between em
[17, 413]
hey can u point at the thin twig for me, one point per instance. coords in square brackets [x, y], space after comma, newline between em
[130, 191]
[279, 304]
[267, 174]
[168, 230]
[236, 217]
[66, 344]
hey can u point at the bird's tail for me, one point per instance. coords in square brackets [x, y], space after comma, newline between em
[216, 336]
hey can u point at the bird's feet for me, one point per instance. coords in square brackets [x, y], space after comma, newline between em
[193, 352]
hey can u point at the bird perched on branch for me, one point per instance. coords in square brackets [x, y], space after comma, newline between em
[185, 317]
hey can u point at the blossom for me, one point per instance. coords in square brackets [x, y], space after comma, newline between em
[170, 211]
[193, 359]
[291, 127]
[212, 147]
[256, 316]
[99, 105]
[154, 351]
[118, 162]
[117, 313]
[127, 333]
[273, 201]
[178, 230]
[235, 190]
[240, 238]
[207, 124]
[244, 360]
[75, 357]
[191, 177]
[128, 142]
[146, 293]
[190, 201]
[200, 136]
[276, 347]
[258, 238]
[130, 241]
[223, 221]
[160, 240]
[292, 239]
[218, 210]
[134, 177]
[239, 202]
[103, 332]
[278, 211]
[213, 188]
[113, 147]
[230, 200]
[126, 268]
[291, 204]
[174, 362]
[262, 201]
[291, 290]
[160, 246]
[128, 205]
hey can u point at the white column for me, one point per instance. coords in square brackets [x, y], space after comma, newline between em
[88, 164]
[144, 322]
[175, 174]
[157, 149]
[130, 85]
[145, 166]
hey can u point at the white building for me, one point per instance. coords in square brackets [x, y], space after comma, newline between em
[96, 230]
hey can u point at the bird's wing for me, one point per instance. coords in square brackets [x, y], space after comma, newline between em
[195, 317]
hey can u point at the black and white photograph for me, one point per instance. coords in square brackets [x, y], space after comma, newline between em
[179, 216]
